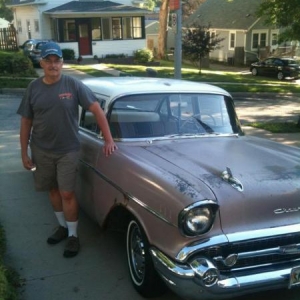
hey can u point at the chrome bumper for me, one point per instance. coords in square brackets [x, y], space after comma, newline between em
[201, 280]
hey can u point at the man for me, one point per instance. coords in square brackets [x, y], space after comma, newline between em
[49, 123]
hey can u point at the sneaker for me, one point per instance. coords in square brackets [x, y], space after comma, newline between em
[72, 246]
[59, 234]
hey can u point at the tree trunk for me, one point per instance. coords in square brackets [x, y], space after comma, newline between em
[163, 23]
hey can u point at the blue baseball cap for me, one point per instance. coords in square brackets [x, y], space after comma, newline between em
[51, 48]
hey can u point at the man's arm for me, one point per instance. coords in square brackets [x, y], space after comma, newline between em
[25, 131]
[97, 111]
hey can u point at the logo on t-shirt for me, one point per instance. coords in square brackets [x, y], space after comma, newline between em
[65, 96]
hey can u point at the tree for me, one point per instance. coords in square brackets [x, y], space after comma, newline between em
[198, 42]
[189, 7]
[282, 13]
[163, 23]
[5, 12]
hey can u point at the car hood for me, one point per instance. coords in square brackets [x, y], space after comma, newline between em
[264, 190]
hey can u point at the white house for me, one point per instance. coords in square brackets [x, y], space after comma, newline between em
[88, 27]
[246, 36]
[3, 23]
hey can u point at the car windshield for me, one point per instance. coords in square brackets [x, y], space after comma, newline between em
[289, 62]
[169, 115]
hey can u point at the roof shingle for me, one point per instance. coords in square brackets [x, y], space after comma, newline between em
[226, 14]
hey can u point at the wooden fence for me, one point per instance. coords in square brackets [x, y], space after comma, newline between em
[8, 39]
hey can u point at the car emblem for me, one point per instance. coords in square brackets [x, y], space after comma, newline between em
[286, 210]
[228, 177]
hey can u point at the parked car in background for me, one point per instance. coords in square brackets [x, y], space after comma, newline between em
[280, 67]
[208, 212]
[32, 49]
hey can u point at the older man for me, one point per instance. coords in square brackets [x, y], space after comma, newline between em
[49, 124]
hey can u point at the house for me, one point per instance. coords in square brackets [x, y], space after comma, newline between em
[152, 32]
[246, 37]
[4, 23]
[90, 28]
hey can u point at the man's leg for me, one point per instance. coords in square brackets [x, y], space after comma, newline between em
[70, 208]
[61, 232]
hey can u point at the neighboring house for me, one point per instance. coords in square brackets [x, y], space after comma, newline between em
[152, 31]
[4, 23]
[90, 28]
[246, 37]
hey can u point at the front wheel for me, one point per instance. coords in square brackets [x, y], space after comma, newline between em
[143, 275]
[254, 72]
[280, 75]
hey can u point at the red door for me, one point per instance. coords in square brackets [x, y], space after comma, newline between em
[84, 39]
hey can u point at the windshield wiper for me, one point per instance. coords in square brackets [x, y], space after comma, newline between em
[206, 127]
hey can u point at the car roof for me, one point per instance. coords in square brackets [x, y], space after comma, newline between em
[113, 87]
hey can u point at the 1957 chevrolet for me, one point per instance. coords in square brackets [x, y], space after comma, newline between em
[208, 212]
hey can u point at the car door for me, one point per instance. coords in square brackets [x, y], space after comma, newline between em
[269, 69]
[95, 189]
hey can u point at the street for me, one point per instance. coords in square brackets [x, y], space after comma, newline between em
[100, 270]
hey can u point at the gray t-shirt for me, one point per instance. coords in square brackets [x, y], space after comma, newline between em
[54, 111]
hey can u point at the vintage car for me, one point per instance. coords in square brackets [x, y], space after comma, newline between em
[208, 212]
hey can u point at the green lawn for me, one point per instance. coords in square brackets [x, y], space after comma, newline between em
[283, 127]
[229, 80]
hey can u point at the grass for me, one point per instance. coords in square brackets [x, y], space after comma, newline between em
[9, 279]
[286, 127]
[229, 80]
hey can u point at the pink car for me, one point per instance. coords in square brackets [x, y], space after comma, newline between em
[208, 212]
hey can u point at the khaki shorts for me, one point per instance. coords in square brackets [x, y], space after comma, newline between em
[54, 170]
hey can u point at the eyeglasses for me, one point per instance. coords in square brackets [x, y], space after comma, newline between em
[54, 62]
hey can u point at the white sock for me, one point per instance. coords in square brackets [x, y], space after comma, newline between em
[61, 218]
[72, 228]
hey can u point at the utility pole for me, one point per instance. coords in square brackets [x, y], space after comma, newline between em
[178, 45]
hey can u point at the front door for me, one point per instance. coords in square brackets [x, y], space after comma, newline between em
[84, 40]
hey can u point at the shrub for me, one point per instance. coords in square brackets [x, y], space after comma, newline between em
[143, 56]
[16, 63]
[68, 54]
[115, 55]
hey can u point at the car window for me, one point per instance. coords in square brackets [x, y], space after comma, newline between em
[29, 46]
[88, 120]
[40, 45]
[157, 115]
[269, 61]
[278, 62]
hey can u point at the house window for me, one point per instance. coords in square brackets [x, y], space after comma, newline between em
[137, 27]
[117, 28]
[96, 29]
[231, 40]
[28, 29]
[19, 26]
[69, 30]
[274, 40]
[36, 26]
[259, 40]
[127, 28]
[106, 29]
[212, 35]
[263, 40]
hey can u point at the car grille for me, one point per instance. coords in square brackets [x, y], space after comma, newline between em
[252, 246]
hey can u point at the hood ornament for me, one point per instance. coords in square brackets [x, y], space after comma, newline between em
[234, 182]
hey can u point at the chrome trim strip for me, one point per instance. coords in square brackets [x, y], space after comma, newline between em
[127, 195]
[219, 240]
[281, 250]
[170, 137]
[261, 233]
[187, 251]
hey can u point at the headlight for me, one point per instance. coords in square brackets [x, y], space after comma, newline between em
[198, 219]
